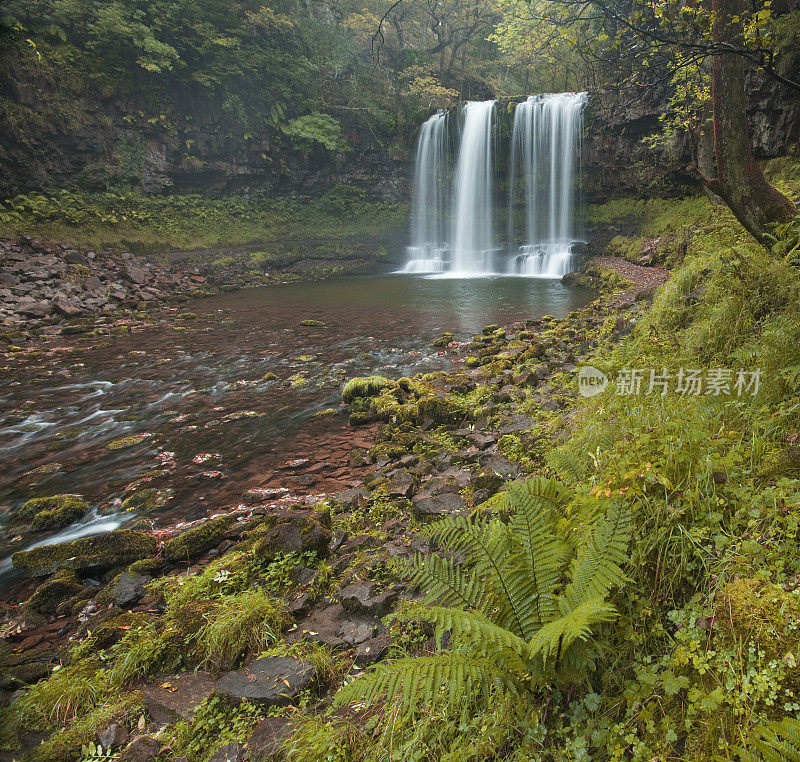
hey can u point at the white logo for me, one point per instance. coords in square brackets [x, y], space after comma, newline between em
[591, 381]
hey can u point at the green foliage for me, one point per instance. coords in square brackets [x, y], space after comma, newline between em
[155, 223]
[306, 131]
[512, 624]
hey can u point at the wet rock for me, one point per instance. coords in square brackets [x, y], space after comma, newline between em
[128, 588]
[330, 625]
[141, 749]
[174, 697]
[367, 599]
[231, 752]
[269, 681]
[112, 737]
[99, 552]
[372, 650]
[267, 739]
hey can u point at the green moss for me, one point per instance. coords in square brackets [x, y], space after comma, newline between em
[365, 386]
[123, 442]
[754, 610]
[144, 500]
[194, 542]
[444, 339]
[56, 591]
[96, 553]
[442, 410]
[309, 323]
[53, 512]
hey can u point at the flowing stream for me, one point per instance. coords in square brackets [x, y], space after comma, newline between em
[203, 419]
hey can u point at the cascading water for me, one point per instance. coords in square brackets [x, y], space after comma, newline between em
[473, 193]
[428, 241]
[545, 143]
[460, 240]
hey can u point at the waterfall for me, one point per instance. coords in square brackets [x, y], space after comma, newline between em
[453, 233]
[473, 194]
[428, 246]
[545, 144]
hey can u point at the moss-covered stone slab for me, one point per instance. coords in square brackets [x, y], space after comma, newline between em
[196, 541]
[97, 553]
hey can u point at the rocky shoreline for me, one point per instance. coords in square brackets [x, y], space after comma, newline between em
[425, 447]
[51, 288]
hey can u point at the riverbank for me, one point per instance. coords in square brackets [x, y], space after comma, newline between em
[449, 445]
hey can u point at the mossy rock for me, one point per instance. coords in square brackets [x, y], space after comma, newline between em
[150, 566]
[365, 386]
[300, 535]
[442, 410]
[97, 553]
[359, 418]
[444, 339]
[56, 591]
[309, 323]
[194, 542]
[490, 329]
[72, 329]
[270, 377]
[472, 361]
[757, 611]
[143, 500]
[54, 512]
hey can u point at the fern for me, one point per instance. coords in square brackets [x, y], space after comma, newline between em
[773, 742]
[517, 613]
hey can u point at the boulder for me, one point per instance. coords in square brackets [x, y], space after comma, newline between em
[174, 697]
[301, 534]
[268, 681]
[437, 505]
[372, 650]
[231, 752]
[128, 588]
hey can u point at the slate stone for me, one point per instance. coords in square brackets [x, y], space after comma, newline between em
[129, 588]
[437, 505]
[364, 598]
[372, 650]
[269, 681]
[267, 739]
[141, 749]
[231, 752]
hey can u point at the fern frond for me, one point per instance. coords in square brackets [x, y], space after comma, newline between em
[447, 582]
[449, 679]
[570, 466]
[557, 636]
[537, 552]
[777, 741]
[486, 546]
[601, 553]
[473, 629]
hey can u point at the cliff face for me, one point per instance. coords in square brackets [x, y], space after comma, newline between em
[187, 145]
[616, 162]
[192, 145]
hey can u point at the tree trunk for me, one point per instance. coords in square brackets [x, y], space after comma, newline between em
[740, 181]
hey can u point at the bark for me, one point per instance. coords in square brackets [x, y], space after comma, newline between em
[740, 181]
